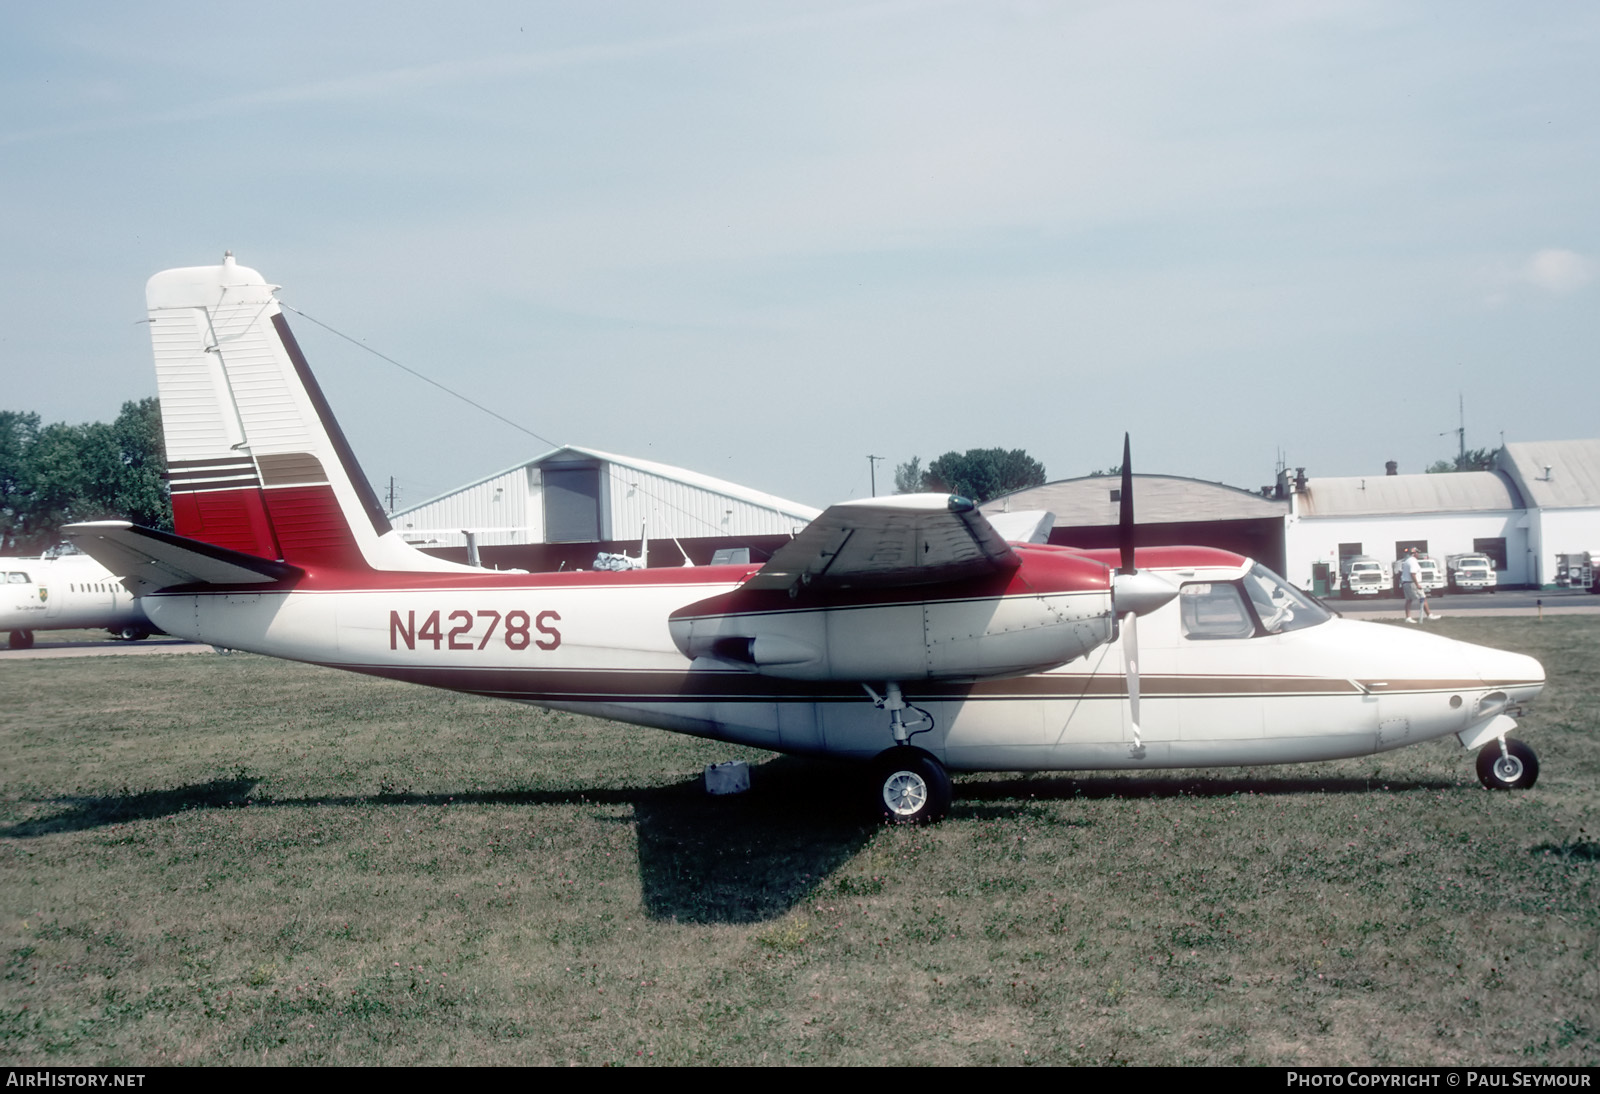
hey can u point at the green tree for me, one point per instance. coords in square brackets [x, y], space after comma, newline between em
[59, 473]
[1475, 459]
[983, 473]
[908, 476]
[18, 431]
[142, 495]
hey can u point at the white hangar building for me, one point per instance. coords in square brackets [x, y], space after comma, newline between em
[1560, 481]
[1382, 515]
[581, 495]
[1542, 499]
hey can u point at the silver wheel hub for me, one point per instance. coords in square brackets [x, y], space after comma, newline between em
[905, 793]
[1508, 769]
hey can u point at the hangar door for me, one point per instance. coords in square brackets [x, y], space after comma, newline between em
[571, 504]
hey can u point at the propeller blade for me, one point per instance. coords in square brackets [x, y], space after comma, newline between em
[1130, 662]
[1125, 515]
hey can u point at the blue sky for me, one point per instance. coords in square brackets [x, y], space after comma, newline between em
[764, 240]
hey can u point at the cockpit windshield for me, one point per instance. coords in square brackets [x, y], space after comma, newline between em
[1279, 605]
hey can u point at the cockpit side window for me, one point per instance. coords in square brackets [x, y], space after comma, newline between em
[1261, 603]
[1279, 605]
[1214, 609]
[17, 578]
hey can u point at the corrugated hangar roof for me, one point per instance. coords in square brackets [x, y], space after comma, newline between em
[1452, 492]
[1573, 481]
[1157, 499]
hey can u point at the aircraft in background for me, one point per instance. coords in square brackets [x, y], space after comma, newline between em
[66, 592]
[905, 632]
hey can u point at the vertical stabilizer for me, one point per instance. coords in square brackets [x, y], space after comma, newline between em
[256, 460]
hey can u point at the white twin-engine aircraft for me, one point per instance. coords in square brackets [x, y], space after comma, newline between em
[68, 592]
[906, 632]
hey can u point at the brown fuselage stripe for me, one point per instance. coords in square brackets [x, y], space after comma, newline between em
[559, 685]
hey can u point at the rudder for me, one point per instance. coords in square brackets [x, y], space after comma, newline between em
[256, 460]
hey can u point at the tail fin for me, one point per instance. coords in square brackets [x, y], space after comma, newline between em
[256, 461]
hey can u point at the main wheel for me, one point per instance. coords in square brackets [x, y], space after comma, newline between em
[21, 640]
[911, 787]
[131, 633]
[1518, 769]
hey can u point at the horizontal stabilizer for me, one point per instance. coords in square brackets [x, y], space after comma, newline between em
[148, 560]
[912, 539]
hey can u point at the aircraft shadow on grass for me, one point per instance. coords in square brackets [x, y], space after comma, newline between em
[87, 811]
[739, 859]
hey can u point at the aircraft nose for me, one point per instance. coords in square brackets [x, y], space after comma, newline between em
[1501, 667]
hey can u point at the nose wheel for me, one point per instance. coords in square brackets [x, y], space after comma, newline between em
[910, 786]
[1507, 764]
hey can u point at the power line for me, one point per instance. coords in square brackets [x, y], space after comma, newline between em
[501, 417]
[425, 379]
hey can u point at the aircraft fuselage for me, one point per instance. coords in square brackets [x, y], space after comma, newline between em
[601, 644]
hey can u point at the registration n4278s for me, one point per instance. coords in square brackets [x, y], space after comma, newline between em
[469, 630]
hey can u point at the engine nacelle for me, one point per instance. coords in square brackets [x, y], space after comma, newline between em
[966, 631]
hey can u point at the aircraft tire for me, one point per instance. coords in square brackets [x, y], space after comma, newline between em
[910, 786]
[131, 633]
[1518, 770]
[21, 640]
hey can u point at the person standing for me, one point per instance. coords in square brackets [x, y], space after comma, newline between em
[1411, 586]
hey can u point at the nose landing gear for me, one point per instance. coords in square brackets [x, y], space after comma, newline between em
[1507, 764]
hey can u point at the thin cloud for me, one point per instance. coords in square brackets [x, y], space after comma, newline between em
[445, 73]
[1557, 271]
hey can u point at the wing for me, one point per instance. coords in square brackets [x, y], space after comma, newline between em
[911, 539]
[148, 560]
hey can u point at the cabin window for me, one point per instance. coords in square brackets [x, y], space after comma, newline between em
[1214, 609]
[16, 577]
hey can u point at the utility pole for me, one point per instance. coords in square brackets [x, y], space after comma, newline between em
[872, 463]
[1461, 432]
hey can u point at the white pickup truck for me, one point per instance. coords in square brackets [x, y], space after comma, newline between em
[1363, 575]
[1471, 571]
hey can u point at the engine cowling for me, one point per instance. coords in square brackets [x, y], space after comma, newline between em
[1054, 608]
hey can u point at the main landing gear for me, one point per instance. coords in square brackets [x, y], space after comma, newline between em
[21, 640]
[1507, 764]
[910, 786]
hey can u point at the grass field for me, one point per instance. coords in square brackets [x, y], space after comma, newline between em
[232, 860]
